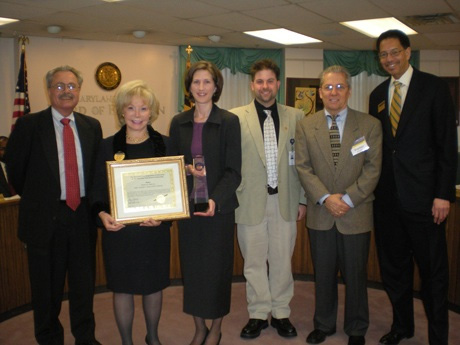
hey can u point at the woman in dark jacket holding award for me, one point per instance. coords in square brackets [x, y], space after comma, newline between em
[206, 239]
[136, 256]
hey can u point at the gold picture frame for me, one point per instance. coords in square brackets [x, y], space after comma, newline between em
[140, 189]
[303, 93]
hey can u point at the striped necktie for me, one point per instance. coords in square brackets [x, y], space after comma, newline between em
[334, 136]
[395, 108]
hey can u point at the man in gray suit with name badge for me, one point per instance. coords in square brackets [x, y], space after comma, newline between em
[270, 201]
[338, 158]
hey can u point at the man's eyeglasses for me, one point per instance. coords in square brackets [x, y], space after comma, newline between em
[62, 86]
[338, 87]
[392, 53]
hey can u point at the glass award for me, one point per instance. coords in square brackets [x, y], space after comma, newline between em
[200, 186]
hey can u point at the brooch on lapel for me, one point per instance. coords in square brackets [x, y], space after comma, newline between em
[119, 156]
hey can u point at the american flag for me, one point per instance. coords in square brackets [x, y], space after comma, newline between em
[21, 99]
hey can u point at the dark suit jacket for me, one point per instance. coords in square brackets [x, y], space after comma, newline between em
[420, 162]
[33, 170]
[221, 150]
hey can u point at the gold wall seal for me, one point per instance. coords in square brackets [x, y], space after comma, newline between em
[108, 76]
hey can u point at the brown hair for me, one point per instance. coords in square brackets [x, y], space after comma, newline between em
[215, 73]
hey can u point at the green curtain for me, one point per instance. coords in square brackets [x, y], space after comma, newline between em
[362, 60]
[236, 59]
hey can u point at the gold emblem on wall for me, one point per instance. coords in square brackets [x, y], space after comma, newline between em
[305, 99]
[108, 76]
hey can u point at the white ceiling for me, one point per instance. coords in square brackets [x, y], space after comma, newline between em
[182, 22]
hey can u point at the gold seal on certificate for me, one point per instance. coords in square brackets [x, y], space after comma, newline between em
[140, 189]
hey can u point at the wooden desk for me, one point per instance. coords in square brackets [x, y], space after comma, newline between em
[14, 280]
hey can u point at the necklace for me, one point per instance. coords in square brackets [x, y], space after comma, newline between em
[136, 140]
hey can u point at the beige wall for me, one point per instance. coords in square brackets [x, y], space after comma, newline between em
[157, 65]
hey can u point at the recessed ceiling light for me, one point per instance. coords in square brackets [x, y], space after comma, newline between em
[139, 33]
[282, 36]
[374, 27]
[54, 29]
[112, 0]
[4, 21]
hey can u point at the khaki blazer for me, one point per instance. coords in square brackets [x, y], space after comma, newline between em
[355, 175]
[252, 192]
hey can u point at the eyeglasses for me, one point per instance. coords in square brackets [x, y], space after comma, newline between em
[62, 86]
[392, 53]
[338, 87]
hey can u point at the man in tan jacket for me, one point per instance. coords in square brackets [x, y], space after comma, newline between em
[269, 197]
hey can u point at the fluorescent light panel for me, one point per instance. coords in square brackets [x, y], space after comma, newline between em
[4, 21]
[282, 36]
[374, 27]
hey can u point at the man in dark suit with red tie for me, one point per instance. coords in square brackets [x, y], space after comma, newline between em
[416, 188]
[50, 165]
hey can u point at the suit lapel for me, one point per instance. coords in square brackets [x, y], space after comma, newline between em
[384, 112]
[284, 128]
[86, 143]
[322, 138]
[412, 99]
[254, 128]
[48, 138]
[348, 139]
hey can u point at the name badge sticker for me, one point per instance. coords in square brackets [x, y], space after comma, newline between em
[360, 145]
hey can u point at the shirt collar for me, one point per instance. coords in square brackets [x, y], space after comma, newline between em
[341, 116]
[58, 117]
[405, 78]
[261, 108]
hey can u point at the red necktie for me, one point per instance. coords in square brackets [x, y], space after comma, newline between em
[71, 167]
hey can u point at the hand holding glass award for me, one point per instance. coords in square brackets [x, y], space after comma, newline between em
[200, 186]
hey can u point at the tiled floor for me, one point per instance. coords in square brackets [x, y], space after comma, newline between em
[177, 327]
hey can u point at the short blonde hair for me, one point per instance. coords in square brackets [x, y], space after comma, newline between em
[136, 88]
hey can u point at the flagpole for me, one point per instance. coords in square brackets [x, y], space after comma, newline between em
[188, 104]
[23, 40]
[21, 99]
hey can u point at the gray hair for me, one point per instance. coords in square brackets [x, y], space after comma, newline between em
[336, 69]
[50, 74]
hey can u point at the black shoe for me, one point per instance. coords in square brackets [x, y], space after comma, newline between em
[393, 338]
[318, 336]
[204, 340]
[284, 327]
[253, 328]
[356, 340]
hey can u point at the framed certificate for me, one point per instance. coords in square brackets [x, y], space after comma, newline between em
[140, 189]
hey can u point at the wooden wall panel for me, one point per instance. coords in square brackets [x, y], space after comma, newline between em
[15, 287]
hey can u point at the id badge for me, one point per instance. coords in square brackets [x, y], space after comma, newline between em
[292, 152]
[360, 145]
[291, 157]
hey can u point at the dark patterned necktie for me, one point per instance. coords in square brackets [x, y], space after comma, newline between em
[71, 167]
[334, 136]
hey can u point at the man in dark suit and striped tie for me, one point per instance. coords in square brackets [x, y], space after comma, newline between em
[416, 188]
